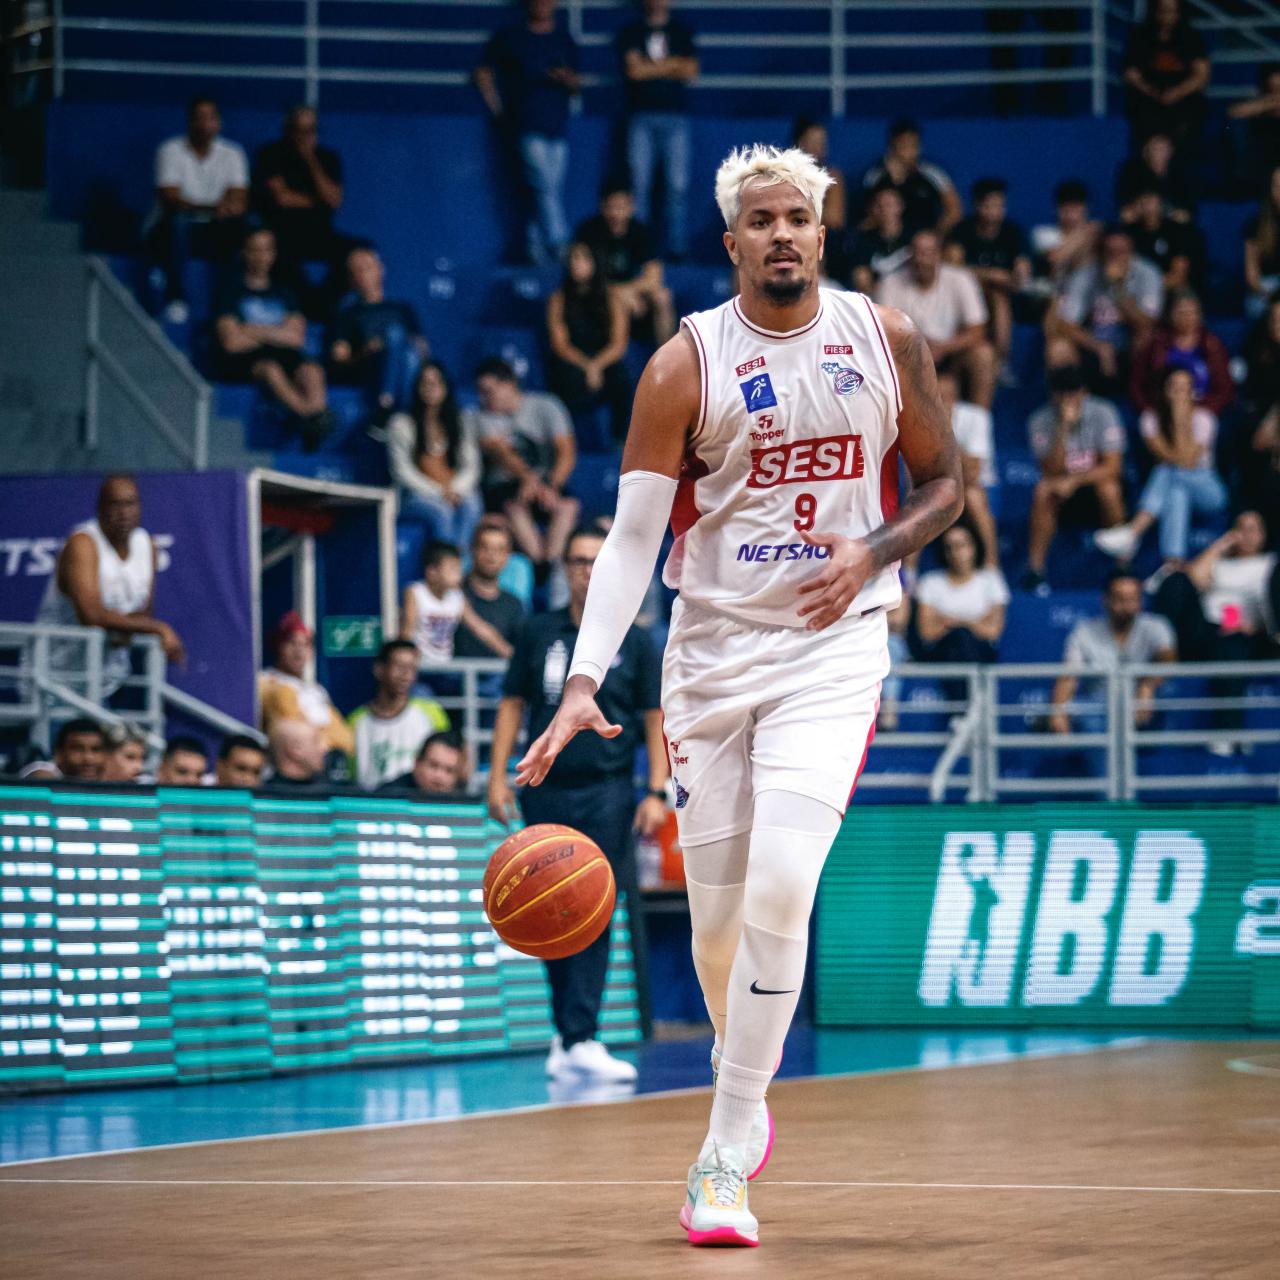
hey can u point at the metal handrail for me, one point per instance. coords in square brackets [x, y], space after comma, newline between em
[102, 280]
[312, 33]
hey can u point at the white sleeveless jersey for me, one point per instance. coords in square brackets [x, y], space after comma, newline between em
[797, 432]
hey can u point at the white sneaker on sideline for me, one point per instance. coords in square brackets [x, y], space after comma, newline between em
[1119, 541]
[591, 1058]
[556, 1057]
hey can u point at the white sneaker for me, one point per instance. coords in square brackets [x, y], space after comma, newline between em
[1119, 541]
[759, 1145]
[591, 1058]
[715, 1210]
[556, 1057]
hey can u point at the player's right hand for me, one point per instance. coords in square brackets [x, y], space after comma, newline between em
[577, 711]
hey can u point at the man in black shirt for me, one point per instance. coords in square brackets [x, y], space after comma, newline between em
[929, 200]
[659, 62]
[625, 249]
[376, 341]
[590, 787]
[995, 250]
[500, 611]
[1175, 247]
[260, 333]
[882, 246]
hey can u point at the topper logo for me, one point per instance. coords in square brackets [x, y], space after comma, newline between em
[764, 422]
[743, 369]
[807, 462]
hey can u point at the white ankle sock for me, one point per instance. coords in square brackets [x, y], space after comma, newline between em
[738, 1094]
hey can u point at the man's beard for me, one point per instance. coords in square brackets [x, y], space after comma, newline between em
[783, 293]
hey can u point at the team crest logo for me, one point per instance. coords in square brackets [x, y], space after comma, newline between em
[847, 382]
[758, 393]
[682, 796]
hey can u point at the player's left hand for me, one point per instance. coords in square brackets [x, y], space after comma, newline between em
[650, 815]
[831, 592]
[578, 711]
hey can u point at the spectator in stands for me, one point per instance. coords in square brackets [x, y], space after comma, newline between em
[588, 328]
[960, 608]
[810, 136]
[995, 250]
[389, 729]
[287, 692]
[202, 195]
[528, 441]
[591, 783]
[1070, 242]
[1180, 435]
[1262, 463]
[433, 607]
[1123, 636]
[659, 63]
[1262, 249]
[183, 764]
[973, 432]
[881, 245]
[241, 761]
[105, 576]
[1181, 341]
[624, 247]
[296, 751]
[79, 754]
[434, 459]
[929, 199]
[1262, 360]
[297, 186]
[376, 342]
[527, 74]
[1173, 247]
[1256, 142]
[1079, 442]
[261, 334]
[946, 305]
[1166, 70]
[1223, 609]
[126, 752]
[1155, 168]
[493, 617]
[1107, 308]
[439, 768]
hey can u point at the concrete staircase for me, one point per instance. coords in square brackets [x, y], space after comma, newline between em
[43, 317]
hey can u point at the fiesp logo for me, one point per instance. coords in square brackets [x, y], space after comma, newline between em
[985, 931]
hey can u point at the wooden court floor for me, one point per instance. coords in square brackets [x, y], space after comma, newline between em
[1152, 1161]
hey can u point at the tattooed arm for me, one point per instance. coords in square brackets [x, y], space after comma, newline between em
[936, 497]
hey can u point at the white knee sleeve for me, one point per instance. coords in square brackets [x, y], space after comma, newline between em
[715, 876]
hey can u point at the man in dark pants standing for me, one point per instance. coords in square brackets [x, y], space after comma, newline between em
[590, 787]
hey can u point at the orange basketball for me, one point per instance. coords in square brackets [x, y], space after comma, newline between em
[548, 891]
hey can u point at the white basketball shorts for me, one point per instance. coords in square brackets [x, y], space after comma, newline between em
[750, 708]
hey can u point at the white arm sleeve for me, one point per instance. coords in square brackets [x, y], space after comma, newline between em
[622, 570]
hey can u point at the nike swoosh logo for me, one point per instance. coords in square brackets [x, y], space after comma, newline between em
[764, 991]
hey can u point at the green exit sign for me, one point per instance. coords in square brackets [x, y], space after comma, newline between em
[353, 637]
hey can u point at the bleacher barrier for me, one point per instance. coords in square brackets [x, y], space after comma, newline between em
[1044, 915]
[154, 935]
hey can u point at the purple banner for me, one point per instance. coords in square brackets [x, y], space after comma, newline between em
[200, 524]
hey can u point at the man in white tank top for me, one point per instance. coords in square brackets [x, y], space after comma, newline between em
[105, 577]
[769, 429]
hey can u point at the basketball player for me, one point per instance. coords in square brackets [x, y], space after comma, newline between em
[769, 430]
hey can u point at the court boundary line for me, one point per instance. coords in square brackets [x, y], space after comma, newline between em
[483, 1183]
[1122, 1044]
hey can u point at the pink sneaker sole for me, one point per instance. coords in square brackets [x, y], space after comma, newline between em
[722, 1236]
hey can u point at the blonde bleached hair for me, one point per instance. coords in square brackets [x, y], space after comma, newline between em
[769, 166]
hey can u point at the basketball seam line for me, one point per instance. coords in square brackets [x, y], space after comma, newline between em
[519, 853]
[559, 884]
[578, 928]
